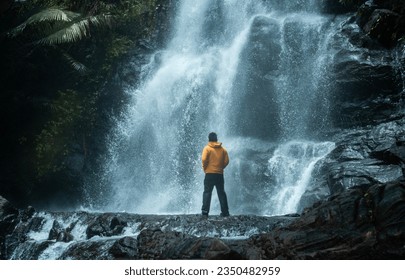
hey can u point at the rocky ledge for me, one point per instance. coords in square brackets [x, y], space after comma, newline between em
[357, 223]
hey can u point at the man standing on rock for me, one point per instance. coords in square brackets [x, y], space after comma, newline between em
[214, 160]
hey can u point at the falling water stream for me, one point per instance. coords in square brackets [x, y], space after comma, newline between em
[256, 72]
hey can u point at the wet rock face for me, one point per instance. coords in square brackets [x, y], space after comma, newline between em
[361, 173]
[365, 93]
[367, 101]
[355, 224]
[367, 87]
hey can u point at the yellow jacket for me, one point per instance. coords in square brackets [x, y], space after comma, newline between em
[214, 158]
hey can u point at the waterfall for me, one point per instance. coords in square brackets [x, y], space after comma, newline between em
[256, 73]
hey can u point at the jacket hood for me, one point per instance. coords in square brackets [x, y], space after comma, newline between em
[215, 144]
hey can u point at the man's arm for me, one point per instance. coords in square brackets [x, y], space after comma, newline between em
[226, 158]
[204, 158]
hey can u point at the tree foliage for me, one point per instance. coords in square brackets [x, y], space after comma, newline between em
[74, 31]
[58, 57]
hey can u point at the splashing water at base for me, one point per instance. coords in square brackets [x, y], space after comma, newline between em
[291, 166]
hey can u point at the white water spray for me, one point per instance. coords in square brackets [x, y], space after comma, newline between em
[244, 70]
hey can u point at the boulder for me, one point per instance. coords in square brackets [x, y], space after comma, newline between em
[385, 26]
[364, 13]
[59, 233]
[125, 248]
[105, 225]
[384, 21]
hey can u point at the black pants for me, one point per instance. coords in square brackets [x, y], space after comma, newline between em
[217, 180]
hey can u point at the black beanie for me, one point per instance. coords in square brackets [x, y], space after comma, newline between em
[212, 137]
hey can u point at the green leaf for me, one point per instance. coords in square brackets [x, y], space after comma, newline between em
[75, 64]
[50, 14]
[76, 31]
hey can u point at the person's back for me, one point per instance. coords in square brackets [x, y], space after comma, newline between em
[214, 160]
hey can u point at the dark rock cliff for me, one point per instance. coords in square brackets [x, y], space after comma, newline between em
[367, 116]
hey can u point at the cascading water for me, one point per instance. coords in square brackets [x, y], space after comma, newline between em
[253, 71]
[293, 163]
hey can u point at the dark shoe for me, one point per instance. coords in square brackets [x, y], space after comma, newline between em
[204, 217]
[224, 215]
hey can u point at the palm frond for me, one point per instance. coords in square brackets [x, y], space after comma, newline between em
[101, 20]
[75, 64]
[47, 15]
[69, 34]
[76, 31]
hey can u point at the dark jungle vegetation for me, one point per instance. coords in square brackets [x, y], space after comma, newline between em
[57, 57]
